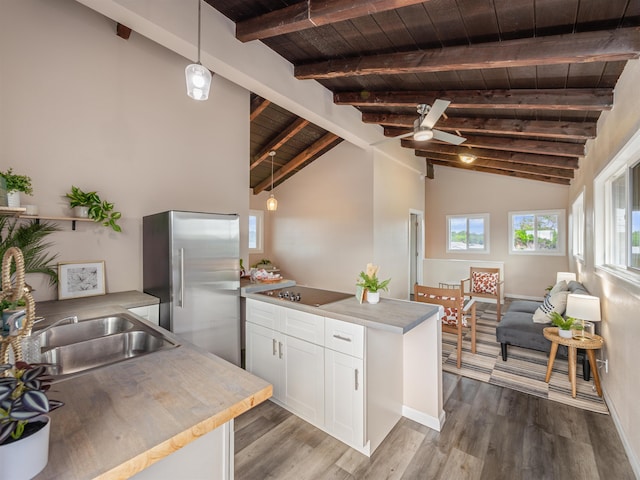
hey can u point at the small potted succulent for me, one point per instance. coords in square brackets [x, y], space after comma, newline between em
[371, 283]
[565, 325]
[24, 425]
[14, 185]
[89, 204]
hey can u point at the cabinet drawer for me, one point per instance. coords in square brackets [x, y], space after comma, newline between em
[302, 325]
[344, 337]
[262, 313]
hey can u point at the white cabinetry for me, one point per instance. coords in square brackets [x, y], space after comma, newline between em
[148, 312]
[265, 350]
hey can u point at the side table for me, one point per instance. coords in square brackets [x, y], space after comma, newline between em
[595, 342]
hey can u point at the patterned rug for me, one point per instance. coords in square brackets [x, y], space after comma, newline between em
[524, 369]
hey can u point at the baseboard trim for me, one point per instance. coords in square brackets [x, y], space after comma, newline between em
[424, 419]
[524, 297]
[633, 459]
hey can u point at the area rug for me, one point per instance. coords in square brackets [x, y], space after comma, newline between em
[524, 369]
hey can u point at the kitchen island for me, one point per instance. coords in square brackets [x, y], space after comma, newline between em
[350, 369]
[167, 414]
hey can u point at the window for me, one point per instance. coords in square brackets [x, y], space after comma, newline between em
[468, 233]
[617, 214]
[577, 226]
[256, 227]
[537, 232]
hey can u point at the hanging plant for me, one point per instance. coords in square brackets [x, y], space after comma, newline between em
[100, 211]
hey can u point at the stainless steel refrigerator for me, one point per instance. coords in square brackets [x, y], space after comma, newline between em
[191, 262]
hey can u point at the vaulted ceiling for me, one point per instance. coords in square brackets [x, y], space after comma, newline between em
[526, 79]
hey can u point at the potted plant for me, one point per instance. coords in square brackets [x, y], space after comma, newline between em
[93, 207]
[24, 425]
[371, 283]
[565, 325]
[16, 184]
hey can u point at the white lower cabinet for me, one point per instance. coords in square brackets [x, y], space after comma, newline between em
[148, 312]
[264, 353]
[344, 397]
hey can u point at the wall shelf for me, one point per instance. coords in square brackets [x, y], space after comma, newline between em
[19, 212]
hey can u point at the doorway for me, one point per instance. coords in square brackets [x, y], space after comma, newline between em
[416, 248]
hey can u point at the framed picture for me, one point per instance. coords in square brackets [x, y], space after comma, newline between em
[84, 279]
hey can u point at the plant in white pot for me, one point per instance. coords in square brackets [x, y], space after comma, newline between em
[24, 425]
[16, 184]
[89, 204]
[371, 283]
[565, 325]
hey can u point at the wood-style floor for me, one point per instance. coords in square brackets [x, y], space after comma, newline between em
[490, 433]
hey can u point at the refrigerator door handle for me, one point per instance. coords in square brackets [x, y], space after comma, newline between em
[181, 278]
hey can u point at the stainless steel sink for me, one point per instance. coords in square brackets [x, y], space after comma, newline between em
[98, 342]
[86, 330]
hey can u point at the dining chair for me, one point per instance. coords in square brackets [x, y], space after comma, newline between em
[484, 283]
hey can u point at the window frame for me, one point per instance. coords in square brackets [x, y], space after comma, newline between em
[578, 228]
[486, 219]
[259, 216]
[562, 233]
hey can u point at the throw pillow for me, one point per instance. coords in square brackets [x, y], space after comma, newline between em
[561, 286]
[485, 283]
[553, 303]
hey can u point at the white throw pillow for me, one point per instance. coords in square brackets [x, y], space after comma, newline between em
[561, 286]
[553, 303]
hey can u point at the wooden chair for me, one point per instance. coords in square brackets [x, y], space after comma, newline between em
[455, 312]
[484, 283]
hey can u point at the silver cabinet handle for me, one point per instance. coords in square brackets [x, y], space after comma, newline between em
[279, 349]
[181, 277]
[340, 337]
[274, 347]
[356, 378]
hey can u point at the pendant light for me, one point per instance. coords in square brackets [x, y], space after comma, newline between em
[272, 203]
[198, 77]
[467, 157]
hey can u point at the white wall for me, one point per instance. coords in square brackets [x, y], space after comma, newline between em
[456, 191]
[81, 106]
[620, 300]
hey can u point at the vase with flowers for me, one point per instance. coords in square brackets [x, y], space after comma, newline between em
[372, 284]
[24, 425]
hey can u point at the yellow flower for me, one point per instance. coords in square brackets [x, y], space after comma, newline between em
[372, 270]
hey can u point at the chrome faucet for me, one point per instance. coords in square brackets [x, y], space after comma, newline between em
[13, 322]
[62, 321]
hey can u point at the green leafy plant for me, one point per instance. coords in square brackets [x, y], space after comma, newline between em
[370, 281]
[564, 323]
[23, 398]
[17, 183]
[100, 211]
[30, 237]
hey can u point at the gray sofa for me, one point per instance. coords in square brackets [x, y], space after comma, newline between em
[518, 328]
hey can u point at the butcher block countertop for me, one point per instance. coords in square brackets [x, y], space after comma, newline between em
[392, 315]
[119, 419]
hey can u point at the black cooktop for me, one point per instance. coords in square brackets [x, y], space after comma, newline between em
[314, 297]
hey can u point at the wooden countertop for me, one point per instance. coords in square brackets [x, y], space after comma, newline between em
[119, 419]
[392, 315]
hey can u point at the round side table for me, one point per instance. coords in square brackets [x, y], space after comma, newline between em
[594, 342]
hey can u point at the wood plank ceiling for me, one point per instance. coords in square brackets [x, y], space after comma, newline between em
[527, 79]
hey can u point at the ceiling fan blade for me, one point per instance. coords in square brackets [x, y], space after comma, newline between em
[436, 111]
[388, 139]
[447, 137]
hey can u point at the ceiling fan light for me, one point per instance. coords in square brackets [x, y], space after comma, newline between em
[467, 157]
[423, 134]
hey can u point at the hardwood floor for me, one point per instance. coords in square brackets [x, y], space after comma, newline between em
[490, 433]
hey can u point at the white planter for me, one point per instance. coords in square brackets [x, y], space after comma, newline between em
[24, 459]
[81, 212]
[13, 199]
[565, 333]
[373, 297]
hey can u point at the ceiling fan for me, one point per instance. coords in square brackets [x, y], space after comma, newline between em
[423, 125]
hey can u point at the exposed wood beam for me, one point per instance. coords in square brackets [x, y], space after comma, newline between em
[515, 145]
[503, 156]
[575, 99]
[123, 31]
[527, 176]
[584, 47]
[510, 166]
[528, 128]
[312, 13]
[298, 160]
[258, 105]
[295, 127]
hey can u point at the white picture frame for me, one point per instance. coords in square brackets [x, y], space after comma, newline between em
[81, 279]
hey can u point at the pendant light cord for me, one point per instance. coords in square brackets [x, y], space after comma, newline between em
[274, 154]
[199, 22]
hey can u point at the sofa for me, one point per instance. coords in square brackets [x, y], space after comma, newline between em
[518, 328]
